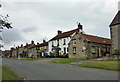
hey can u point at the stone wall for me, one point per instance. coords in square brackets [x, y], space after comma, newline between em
[115, 37]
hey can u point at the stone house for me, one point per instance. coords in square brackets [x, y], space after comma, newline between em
[39, 49]
[59, 44]
[32, 51]
[20, 49]
[115, 31]
[14, 53]
[27, 47]
[88, 46]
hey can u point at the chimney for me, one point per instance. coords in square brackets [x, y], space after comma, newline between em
[26, 44]
[119, 6]
[32, 42]
[21, 45]
[37, 43]
[59, 32]
[44, 41]
[79, 26]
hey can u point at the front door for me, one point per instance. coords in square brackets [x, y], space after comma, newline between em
[98, 52]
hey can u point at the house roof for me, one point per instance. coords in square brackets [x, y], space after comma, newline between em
[64, 34]
[43, 44]
[40, 45]
[96, 39]
[116, 19]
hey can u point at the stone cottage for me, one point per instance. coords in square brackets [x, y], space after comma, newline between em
[27, 47]
[88, 46]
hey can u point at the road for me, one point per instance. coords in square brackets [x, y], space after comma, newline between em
[32, 70]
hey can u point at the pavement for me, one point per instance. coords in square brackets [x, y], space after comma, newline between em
[34, 70]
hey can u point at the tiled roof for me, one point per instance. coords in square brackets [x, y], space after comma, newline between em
[40, 45]
[116, 20]
[63, 35]
[43, 44]
[96, 39]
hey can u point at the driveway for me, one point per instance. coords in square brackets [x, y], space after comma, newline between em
[33, 70]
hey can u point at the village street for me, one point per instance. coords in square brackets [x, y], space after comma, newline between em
[34, 70]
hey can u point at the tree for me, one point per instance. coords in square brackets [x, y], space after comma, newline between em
[116, 52]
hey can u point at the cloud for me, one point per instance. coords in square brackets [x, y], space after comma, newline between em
[11, 35]
[30, 29]
[39, 20]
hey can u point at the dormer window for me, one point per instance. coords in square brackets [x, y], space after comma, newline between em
[64, 43]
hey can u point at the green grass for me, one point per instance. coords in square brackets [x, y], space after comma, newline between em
[67, 60]
[24, 58]
[8, 74]
[108, 65]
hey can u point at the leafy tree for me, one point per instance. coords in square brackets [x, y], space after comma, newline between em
[4, 23]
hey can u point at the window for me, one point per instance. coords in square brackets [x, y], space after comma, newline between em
[74, 42]
[104, 49]
[64, 42]
[67, 49]
[93, 49]
[52, 44]
[58, 42]
[74, 50]
[45, 47]
[64, 50]
[37, 48]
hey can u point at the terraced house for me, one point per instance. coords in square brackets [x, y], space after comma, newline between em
[88, 46]
[39, 50]
[59, 44]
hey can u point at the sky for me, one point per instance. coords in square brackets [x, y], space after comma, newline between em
[41, 19]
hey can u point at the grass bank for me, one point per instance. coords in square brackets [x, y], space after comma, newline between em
[67, 60]
[23, 58]
[107, 65]
[8, 74]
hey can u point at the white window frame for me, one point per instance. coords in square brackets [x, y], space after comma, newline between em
[74, 41]
[74, 50]
[93, 49]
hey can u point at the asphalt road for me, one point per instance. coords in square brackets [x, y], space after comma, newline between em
[32, 70]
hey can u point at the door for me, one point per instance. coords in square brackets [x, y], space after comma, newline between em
[98, 52]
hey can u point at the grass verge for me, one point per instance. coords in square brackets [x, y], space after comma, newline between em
[8, 74]
[24, 58]
[108, 65]
[67, 60]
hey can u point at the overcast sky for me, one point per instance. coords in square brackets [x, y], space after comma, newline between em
[37, 20]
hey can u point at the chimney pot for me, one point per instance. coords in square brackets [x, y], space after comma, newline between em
[26, 44]
[79, 26]
[59, 32]
[37, 43]
[21, 45]
[32, 42]
[44, 41]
